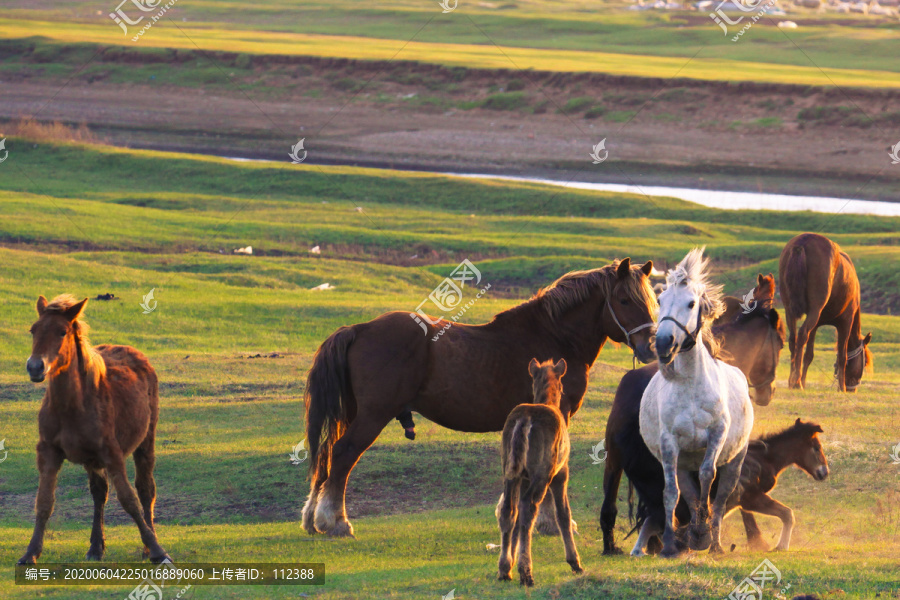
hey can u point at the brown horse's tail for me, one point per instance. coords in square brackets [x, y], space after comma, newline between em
[327, 399]
[794, 281]
[518, 448]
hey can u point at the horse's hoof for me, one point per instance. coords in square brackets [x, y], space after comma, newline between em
[716, 549]
[504, 577]
[670, 552]
[27, 560]
[527, 581]
[94, 555]
[161, 559]
[577, 569]
[758, 545]
[611, 551]
[342, 528]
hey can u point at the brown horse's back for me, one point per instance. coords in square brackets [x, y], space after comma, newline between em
[813, 273]
[131, 380]
[547, 439]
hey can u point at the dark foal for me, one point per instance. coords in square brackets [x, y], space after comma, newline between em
[101, 405]
[535, 458]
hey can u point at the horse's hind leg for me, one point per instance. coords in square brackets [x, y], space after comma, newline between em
[809, 325]
[612, 477]
[559, 493]
[100, 491]
[698, 532]
[529, 500]
[729, 474]
[809, 354]
[331, 512]
[129, 501]
[767, 505]
[507, 516]
[144, 461]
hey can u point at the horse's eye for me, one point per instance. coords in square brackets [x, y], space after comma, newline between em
[692, 304]
[61, 333]
[623, 301]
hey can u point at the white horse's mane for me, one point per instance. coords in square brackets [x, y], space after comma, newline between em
[693, 272]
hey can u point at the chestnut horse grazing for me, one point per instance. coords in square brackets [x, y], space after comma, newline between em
[101, 405]
[470, 379]
[535, 458]
[818, 280]
[764, 292]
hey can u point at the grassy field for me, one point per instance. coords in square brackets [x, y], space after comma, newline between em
[567, 39]
[90, 220]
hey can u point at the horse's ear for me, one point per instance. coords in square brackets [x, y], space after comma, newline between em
[772, 277]
[41, 305]
[647, 268]
[534, 367]
[560, 367]
[624, 268]
[760, 279]
[867, 339]
[797, 423]
[75, 311]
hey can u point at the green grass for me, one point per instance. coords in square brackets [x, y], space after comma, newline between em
[91, 220]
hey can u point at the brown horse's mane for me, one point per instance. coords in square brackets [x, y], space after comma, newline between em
[761, 310]
[575, 287]
[92, 363]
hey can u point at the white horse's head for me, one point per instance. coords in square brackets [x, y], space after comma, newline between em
[687, 307]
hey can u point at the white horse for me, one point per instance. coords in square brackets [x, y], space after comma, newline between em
[696, 413]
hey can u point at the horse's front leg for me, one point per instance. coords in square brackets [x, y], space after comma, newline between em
[841, 364]
[669, 451]
[699, 535]
[767, 505]
[728, 479]
[699, 515]
[49, 461]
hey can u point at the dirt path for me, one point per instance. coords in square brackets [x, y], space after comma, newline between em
[706, 135]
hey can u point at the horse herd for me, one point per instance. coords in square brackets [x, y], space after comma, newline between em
[679, 427]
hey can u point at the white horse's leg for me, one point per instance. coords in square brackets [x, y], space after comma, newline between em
[699, 533]
[669, 451]
[728, 478]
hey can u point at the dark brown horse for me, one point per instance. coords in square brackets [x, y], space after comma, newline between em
[365, 375]
[101, 405]
[752, 342]
[818, 280]
[763, 292]
[767, 457]
[535, 458]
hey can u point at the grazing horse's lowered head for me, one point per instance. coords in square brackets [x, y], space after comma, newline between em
[859, 361]
[689, 305]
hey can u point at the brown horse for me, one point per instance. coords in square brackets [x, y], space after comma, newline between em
[101, 405]
[752, 343]
[763, 292]
[818, 280]
[767, 457]
[535, 458]
[470, 379]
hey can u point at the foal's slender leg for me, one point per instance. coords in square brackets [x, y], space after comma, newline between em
[507, 515]
[529, 500]
[767, 505]
[612, 477]
[100, 491]
[331, 512]
[144, 461]
[754, 535]
[559, 493]
[669, 451]
[728, 479]
[129, 501]
[49, 461]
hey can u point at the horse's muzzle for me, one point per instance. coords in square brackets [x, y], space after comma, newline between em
[37, 371]
[645, 353]
[820, 473]
[665, 350]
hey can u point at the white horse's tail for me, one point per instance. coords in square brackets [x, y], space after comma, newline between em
[518, 448]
